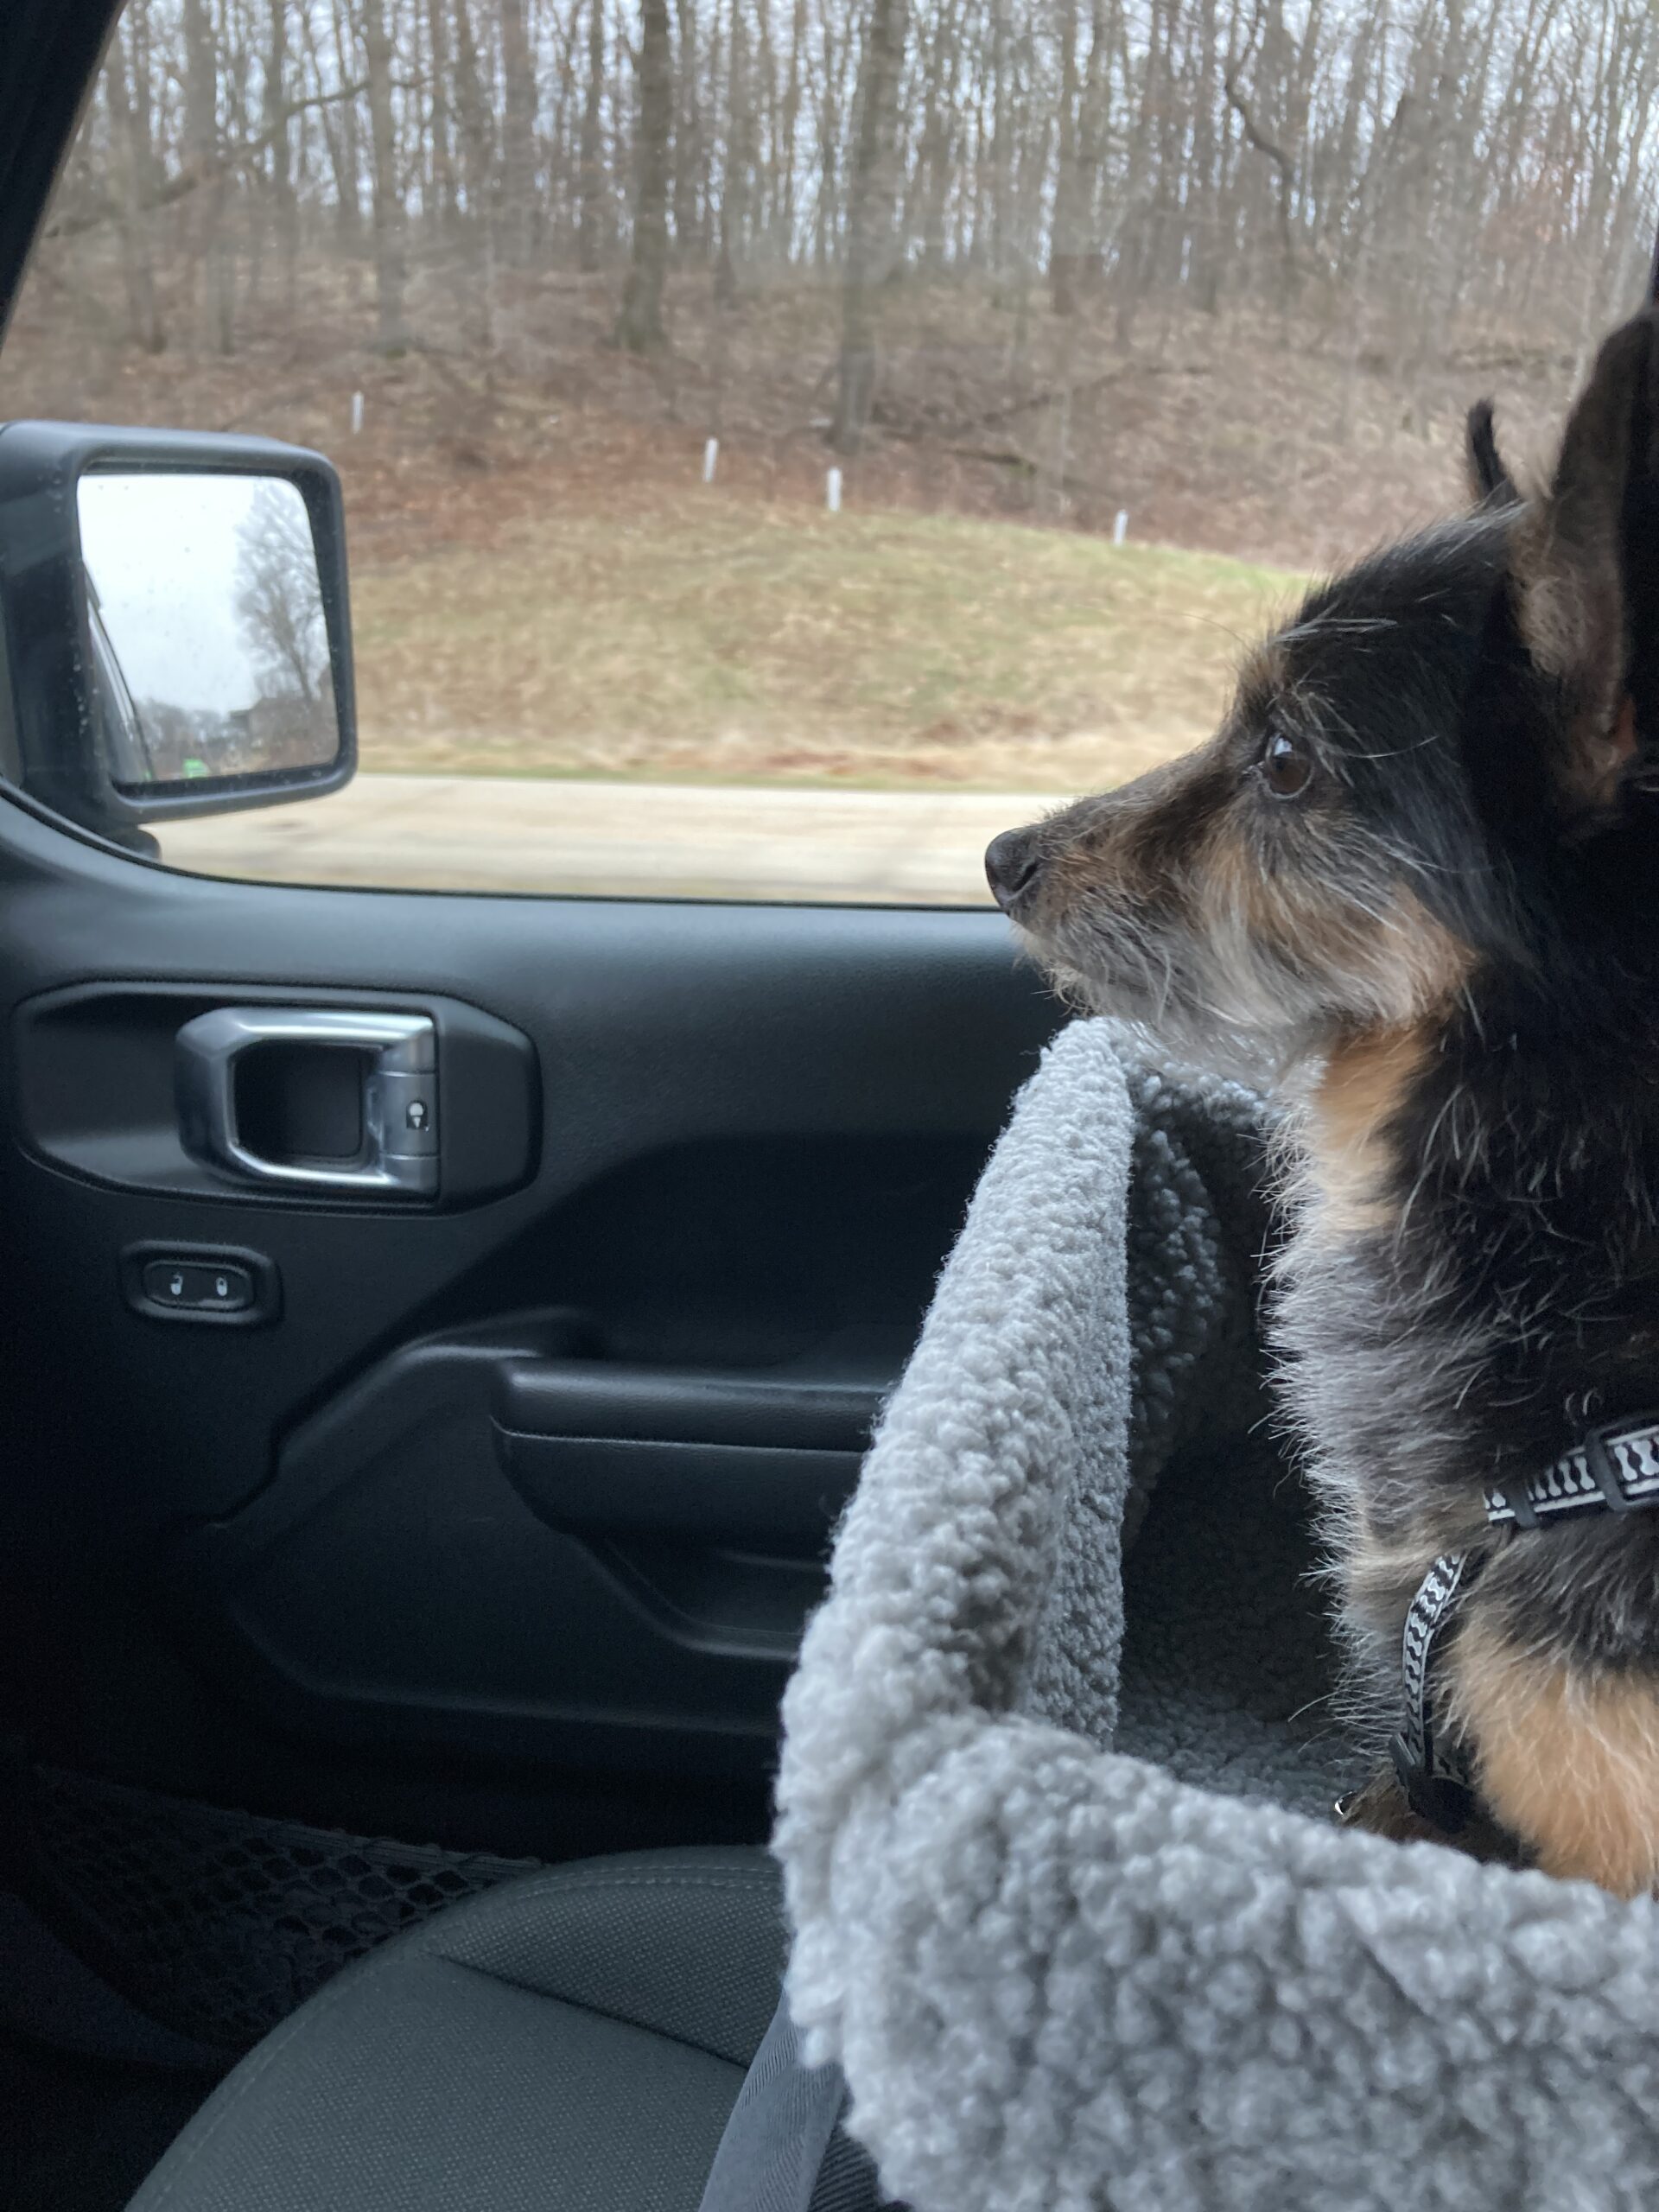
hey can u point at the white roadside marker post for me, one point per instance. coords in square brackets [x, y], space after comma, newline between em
[357, 413]
[1120, 527]
[710, 455]
[832, 492]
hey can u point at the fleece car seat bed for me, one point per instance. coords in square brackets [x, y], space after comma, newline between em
[1069, 1909]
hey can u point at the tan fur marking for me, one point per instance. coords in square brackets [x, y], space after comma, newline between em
[1286, 911]
[1407, 961]
[1361, 1089]
[1568, 1761]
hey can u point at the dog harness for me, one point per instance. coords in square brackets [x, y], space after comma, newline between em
[1613, 1469]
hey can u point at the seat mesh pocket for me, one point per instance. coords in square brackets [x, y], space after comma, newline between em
[219, 1923]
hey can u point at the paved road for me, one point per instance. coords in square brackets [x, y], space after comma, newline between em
[477, 833]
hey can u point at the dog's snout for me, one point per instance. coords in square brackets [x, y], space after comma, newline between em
[1012, 862]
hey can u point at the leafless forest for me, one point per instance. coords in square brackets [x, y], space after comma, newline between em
[1215, 260]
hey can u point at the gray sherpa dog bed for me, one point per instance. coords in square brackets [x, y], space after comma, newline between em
[1069, 1907]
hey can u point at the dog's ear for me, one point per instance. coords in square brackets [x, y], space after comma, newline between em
[1489, 482]
[1585, 572]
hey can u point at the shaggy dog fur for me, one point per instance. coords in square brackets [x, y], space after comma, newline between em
[1415, 871]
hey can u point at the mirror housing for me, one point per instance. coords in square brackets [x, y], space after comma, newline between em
[101, 742]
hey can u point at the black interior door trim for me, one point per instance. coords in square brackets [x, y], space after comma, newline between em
[308, 1542]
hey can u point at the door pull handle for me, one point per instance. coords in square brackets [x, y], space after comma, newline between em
[398, 1154]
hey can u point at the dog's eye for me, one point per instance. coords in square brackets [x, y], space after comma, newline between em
[1285, 767]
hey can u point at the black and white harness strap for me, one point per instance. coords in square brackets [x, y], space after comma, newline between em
[1612, 1469]
[1433, 1773]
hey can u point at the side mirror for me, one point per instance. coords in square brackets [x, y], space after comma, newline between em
[174, 632]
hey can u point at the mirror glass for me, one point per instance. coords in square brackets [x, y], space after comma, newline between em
[210, 644]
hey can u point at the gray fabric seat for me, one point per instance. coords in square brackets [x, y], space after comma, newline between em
[571, 2042]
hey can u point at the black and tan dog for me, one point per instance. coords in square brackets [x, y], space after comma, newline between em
[1417, 871]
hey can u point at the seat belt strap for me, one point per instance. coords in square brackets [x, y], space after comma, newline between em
[773, 2147]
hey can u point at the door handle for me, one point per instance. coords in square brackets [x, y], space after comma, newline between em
[398, 1156]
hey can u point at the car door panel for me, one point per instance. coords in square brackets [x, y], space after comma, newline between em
[538, 1471]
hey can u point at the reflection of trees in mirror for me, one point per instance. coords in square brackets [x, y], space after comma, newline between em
[185, 743]
[280, 614]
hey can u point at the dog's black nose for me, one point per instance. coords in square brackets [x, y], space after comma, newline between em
[1012, 862]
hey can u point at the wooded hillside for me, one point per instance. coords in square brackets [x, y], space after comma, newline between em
[1050, 257]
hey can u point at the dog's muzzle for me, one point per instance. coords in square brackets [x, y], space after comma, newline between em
[1014, 862]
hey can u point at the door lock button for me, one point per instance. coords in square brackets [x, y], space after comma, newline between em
[409, 1103]
[196, 1285]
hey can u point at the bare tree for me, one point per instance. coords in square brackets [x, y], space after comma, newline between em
[279, 601]
[391, 273]
[869, 216]
[518, 132]
[690, 176]
[131, 162]
[201, 149]
[639, 326]
[590, 221]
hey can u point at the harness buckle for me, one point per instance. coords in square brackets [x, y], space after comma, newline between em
[1441, 1799]
[1604, 1468]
